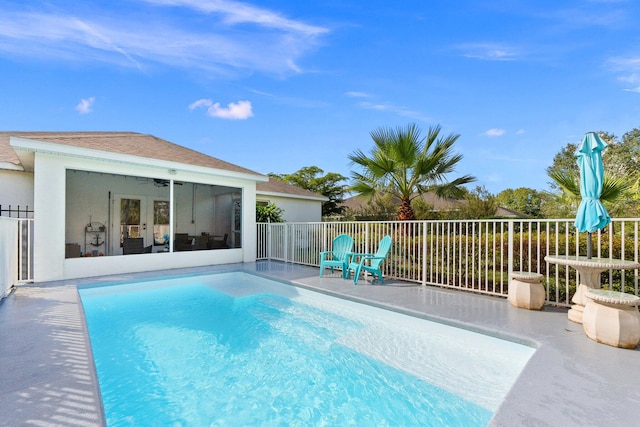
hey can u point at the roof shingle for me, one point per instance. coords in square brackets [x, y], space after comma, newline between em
[277, 186]
[129, 143]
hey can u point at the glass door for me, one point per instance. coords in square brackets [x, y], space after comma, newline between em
[144, 220]
[128, 215]
[236, 222]
[161, 225]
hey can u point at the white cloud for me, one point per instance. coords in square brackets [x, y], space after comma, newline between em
[521, 132]
[495, 132]
[493, 177]
[378, 106]
[385, 106]
[625, 64]
[355, 94]
[291, 101]
[631, 78]
[240, 110]
[488, 51]
[629, 68]
[395, 109]
[234, 12]
[592, 15]
[200, 103]
[229, 38]
[85, 105]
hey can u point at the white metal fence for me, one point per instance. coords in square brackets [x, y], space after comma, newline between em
[16, 256]
[25, 250]
[470, 255]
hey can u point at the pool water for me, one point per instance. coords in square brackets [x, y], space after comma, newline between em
[236, 349]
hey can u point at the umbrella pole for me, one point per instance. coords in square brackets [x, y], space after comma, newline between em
[588, 245]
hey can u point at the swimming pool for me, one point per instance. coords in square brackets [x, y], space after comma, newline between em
[237, 349]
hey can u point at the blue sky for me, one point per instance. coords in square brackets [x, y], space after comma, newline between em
[281, 84]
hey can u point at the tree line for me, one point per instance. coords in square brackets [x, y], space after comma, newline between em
[402, 166]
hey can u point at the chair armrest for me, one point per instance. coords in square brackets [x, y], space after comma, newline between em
[372, 257]
[355, 255]
[367, 257]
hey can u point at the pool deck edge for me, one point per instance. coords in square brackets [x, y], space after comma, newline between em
[47, 376]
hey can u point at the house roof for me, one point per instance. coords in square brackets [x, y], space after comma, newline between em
[509, 213]
[278, 187]
[8, 157]
[358, 203]
[127, 143]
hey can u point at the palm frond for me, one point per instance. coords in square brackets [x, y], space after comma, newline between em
[404, 164]
[612, 188]
[567, 181]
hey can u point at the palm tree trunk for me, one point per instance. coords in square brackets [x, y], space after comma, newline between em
[406, 211]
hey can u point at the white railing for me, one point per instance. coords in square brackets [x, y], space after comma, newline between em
[471, 255]
[16, 262]
[25, 250]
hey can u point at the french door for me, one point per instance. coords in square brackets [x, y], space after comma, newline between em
[143, 217]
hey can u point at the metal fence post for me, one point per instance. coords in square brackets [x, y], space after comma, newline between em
[269, 242]
[366, 238]
[424, 253]
[323, 244]
[510, 252]
[285, 242]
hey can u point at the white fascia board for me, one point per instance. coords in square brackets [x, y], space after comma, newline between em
[291, 196]
[68, 150]
[11, 166]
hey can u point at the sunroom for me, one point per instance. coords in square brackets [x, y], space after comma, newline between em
[126, 202]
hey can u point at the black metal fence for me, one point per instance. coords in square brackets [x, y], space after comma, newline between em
[16, 212]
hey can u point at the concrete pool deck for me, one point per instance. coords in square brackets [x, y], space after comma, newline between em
[47, 376]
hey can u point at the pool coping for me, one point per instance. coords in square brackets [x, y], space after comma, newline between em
[47, 376]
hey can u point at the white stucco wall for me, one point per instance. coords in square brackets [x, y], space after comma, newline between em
[296, 210]
[16, 189]
[51, 206]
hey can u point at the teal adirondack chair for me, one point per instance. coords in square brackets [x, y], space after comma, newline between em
[369, 262]
[338, 256]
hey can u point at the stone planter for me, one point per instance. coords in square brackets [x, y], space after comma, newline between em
[526, 290]
[612, 318]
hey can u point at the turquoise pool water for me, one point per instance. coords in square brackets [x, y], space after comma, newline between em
[236, 349]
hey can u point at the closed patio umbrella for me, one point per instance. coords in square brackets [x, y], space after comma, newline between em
[591, 215]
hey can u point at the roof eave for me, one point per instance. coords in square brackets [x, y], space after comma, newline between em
[31, 145]
[291, 196]
[11, 166]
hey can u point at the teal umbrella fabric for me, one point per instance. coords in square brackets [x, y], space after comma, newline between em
[591, 215]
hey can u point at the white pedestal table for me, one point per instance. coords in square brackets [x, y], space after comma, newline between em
[589, 270]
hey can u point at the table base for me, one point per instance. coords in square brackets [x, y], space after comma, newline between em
[575, 313]
[577, 309]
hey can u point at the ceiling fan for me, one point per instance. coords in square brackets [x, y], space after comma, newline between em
[158, 182]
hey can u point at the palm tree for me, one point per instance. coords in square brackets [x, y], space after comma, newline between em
[405, 165]
[614, 190]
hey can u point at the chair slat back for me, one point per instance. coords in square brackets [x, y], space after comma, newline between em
[132, 245]
[383, 249]
[342, 244]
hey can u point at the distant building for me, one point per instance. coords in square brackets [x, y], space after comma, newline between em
[298, 204]
[361, 207]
